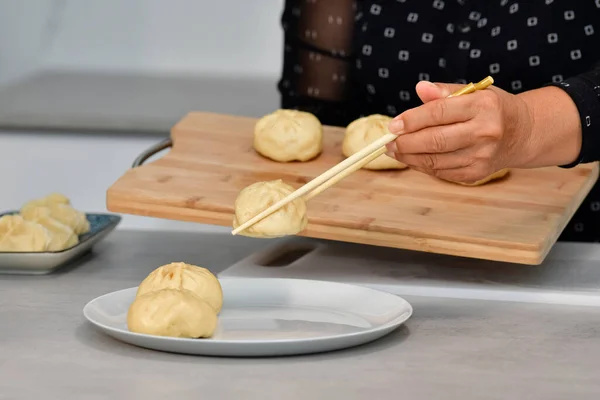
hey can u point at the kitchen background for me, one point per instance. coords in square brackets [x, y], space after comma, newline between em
[110, 77]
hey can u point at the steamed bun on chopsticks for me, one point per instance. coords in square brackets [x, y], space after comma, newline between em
[252, 200]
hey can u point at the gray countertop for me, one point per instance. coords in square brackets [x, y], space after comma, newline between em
[450, 349]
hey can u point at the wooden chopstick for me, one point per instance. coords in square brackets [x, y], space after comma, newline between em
[471, 87]
[325, 180]
[330, 173]
[348, 171]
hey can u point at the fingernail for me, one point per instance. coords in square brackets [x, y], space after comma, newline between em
[391, 148]
[391, 154]
[396, 126]
[429, 83]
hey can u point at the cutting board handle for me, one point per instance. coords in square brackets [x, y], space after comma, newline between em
[164, 144]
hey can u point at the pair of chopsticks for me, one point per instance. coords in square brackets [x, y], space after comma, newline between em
[346, 167]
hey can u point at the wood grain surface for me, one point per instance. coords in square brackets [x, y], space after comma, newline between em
[516, 219]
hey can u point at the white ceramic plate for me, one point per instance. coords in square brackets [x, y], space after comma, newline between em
[270, 317]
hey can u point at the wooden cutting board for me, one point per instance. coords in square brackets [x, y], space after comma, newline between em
[517, 219]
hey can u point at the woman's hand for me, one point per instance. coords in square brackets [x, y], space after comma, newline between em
[469, 137]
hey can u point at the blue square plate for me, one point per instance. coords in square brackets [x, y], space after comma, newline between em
[37, 263]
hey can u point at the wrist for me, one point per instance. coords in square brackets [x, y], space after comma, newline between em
[552, 131]
[526, 150]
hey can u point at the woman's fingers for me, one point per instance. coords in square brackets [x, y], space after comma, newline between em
[428, 91]
[456, 139]
[437, 139]
[438, 161]
[436, 112]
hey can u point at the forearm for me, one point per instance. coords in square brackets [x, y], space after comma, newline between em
[555, 137]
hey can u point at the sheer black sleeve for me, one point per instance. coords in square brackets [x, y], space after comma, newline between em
[317, 60]
[584, 89]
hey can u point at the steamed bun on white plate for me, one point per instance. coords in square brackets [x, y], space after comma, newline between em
[19, 235]
[252, 200]
[178, 300]
[288, 135]
[182, 276]
[172, 312]
[362, 132]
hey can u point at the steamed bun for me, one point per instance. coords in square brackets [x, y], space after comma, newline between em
[19, 235]
[61, 236]
[288, 135]
[496, 175]
[182, 276]
[52, 198]
[288, 220]
[63, 213]
[172, 312]
[362, 132]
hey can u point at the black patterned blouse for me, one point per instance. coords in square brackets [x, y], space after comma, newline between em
[346, 58]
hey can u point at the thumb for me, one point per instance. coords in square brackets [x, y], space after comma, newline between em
[428, 91]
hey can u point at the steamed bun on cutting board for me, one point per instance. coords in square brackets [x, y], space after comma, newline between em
[19, 235]
[181, 276]
[362, 132]
[252, 200]
[288, 135]
[172, 312]
[179, 300]
[495, 176]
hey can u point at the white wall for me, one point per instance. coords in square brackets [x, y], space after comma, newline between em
[23, 36]
[202, 36]
[240, 38]
[223, 37]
